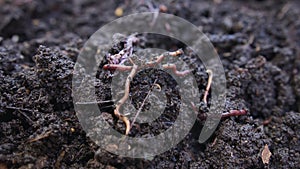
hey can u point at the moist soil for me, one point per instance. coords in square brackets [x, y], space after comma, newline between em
[258, 43]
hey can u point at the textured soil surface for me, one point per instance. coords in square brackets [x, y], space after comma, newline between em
[258, 43]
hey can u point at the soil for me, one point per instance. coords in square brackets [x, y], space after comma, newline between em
[258, 43]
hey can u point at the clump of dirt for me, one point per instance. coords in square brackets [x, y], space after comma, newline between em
[258, 43]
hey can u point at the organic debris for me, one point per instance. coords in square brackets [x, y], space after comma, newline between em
[266, 154]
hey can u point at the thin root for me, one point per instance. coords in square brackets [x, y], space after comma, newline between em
[41, 136]
[144, 101]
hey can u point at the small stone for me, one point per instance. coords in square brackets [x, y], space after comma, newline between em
[15, 38]
[119, 12]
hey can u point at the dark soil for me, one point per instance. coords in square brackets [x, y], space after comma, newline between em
[259, 46]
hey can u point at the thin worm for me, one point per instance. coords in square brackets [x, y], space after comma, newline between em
[175, 71]
[161, 57]
[116, 66]
[210, 76]
[124, 98]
